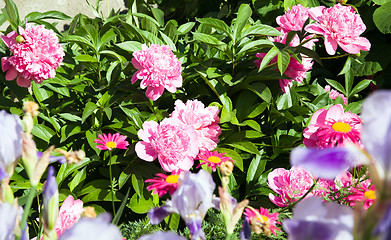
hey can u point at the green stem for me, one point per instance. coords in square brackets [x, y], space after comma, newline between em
[27, 207]
[111, 186]
[228, 236]
[335, 57]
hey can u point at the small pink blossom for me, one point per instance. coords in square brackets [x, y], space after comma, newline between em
[261, 216]
[364, 192]
[334, 94]
[164, 183]
[204, 119]
[172, 142]
[69, 213]
[36, 55]
[212, 159]
[158, 68]
[294, 19]
[332, 127]
[295, 70]
[340, 25]
[111, 141]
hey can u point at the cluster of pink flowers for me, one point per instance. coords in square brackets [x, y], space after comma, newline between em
[340, 26]
[177, 140]
[158, 68]
[332, 127]
[36, 55]
[334, 94]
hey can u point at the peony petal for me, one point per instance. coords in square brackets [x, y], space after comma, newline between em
[330, 44]
[145, 151]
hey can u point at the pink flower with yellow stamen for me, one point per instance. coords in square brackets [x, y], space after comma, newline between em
[212, 159]
[262, 221]
[110, 141]
[364, 192]
[164, 183]
[332, 127]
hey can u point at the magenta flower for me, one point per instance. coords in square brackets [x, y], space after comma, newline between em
[204, 120]
[172, 142]
[340, 25]
[290, 185]
[332, 127]
[69, 213]
[294, 19]
[109, 142]
[334, 94]
[36, 55]
[263, 216]
[364, 192]
[164, 183]
[295, 70]
[158, 68]
[212, 159]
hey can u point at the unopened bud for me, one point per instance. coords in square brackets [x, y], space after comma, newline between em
[31, 108]
[89, 212]
[20, 39]
[226, 168]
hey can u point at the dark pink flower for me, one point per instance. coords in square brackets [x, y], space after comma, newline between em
[340, 25]
[36, 55]
[158, 68]
[294, 19]
[364, 192]
[163, 183]
[264, 218]
[203, 119]
[109, 142]
[212, 159]
[332, 127]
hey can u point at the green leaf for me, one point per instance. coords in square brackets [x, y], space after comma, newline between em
[208, 39]
[141, 204]
[349, 79]
[138, 184]
[85, 58]
[283, 61]
[381, 2]
[310, 53]
[217, 24]
[159, 15]
[256, 168]
[244, 13]
[360, 86]
[47, 15]
[130, 46]
[238, 161]
[146, 17]
[107, 37]
[168, 41]
[88, 110]
[262, 91]
[245, 146]
[68, 131]
[120, 58]
[133, 114]
[11, 13]
[260, 30]
[268, 57]
[255, 44]
[79, 177]
[336, 85]
[43, 132]
[80, 40]
[347, 66]
[381, 18]
[260, 107]
[185, 28]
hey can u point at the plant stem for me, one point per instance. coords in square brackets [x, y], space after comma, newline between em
[111, 186]
[27, 207]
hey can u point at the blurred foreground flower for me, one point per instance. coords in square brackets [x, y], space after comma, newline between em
[50, 203]
[314, 219]
[111, 141]
[69, 213]
[36, 55]
[9, 216]
[261, 221]
[158, 68]
[162, 236]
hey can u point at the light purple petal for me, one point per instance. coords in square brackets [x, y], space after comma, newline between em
[245, 234]
[51, 184]
[162, 236]
[157, 214]
[8, 216]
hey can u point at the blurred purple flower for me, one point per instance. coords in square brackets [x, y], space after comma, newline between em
[8, 214]
[383, 228]
[51, 185]
[162, 236]
[191, 200]
[10, 141]
[60, 159]
[314, 219]
[98, 228]
[245, 234]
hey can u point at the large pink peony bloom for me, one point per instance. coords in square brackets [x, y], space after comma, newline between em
[69, 213]
[158, 68]
[294, 19]
[332, 127]
[36, 55]
[340, 25]
[295, 70]
[204, 119]
[172, 142]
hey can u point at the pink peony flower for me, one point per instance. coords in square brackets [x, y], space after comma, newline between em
[291, 185]
[294, 19]
[204, 119]
[332, 127]
[158, 68]
[172, 142]
[212, 159]
[69, 213]
[334, 94]
[109, 142]
[295, 70]
[364, 192]
[340, 25]
[36, 55]
[164, 183]
[263, 216]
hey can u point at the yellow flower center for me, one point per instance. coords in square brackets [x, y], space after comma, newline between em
[111, 144]
[370, 194]
[341, 127]
[214, 159]
[172, 179]
[264, 218]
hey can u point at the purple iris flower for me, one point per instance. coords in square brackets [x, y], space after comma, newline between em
[60, 159]
[51, 185]
[162, 236]
[191, 200]
[99, 228]
[8, 214]
[314, 219]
